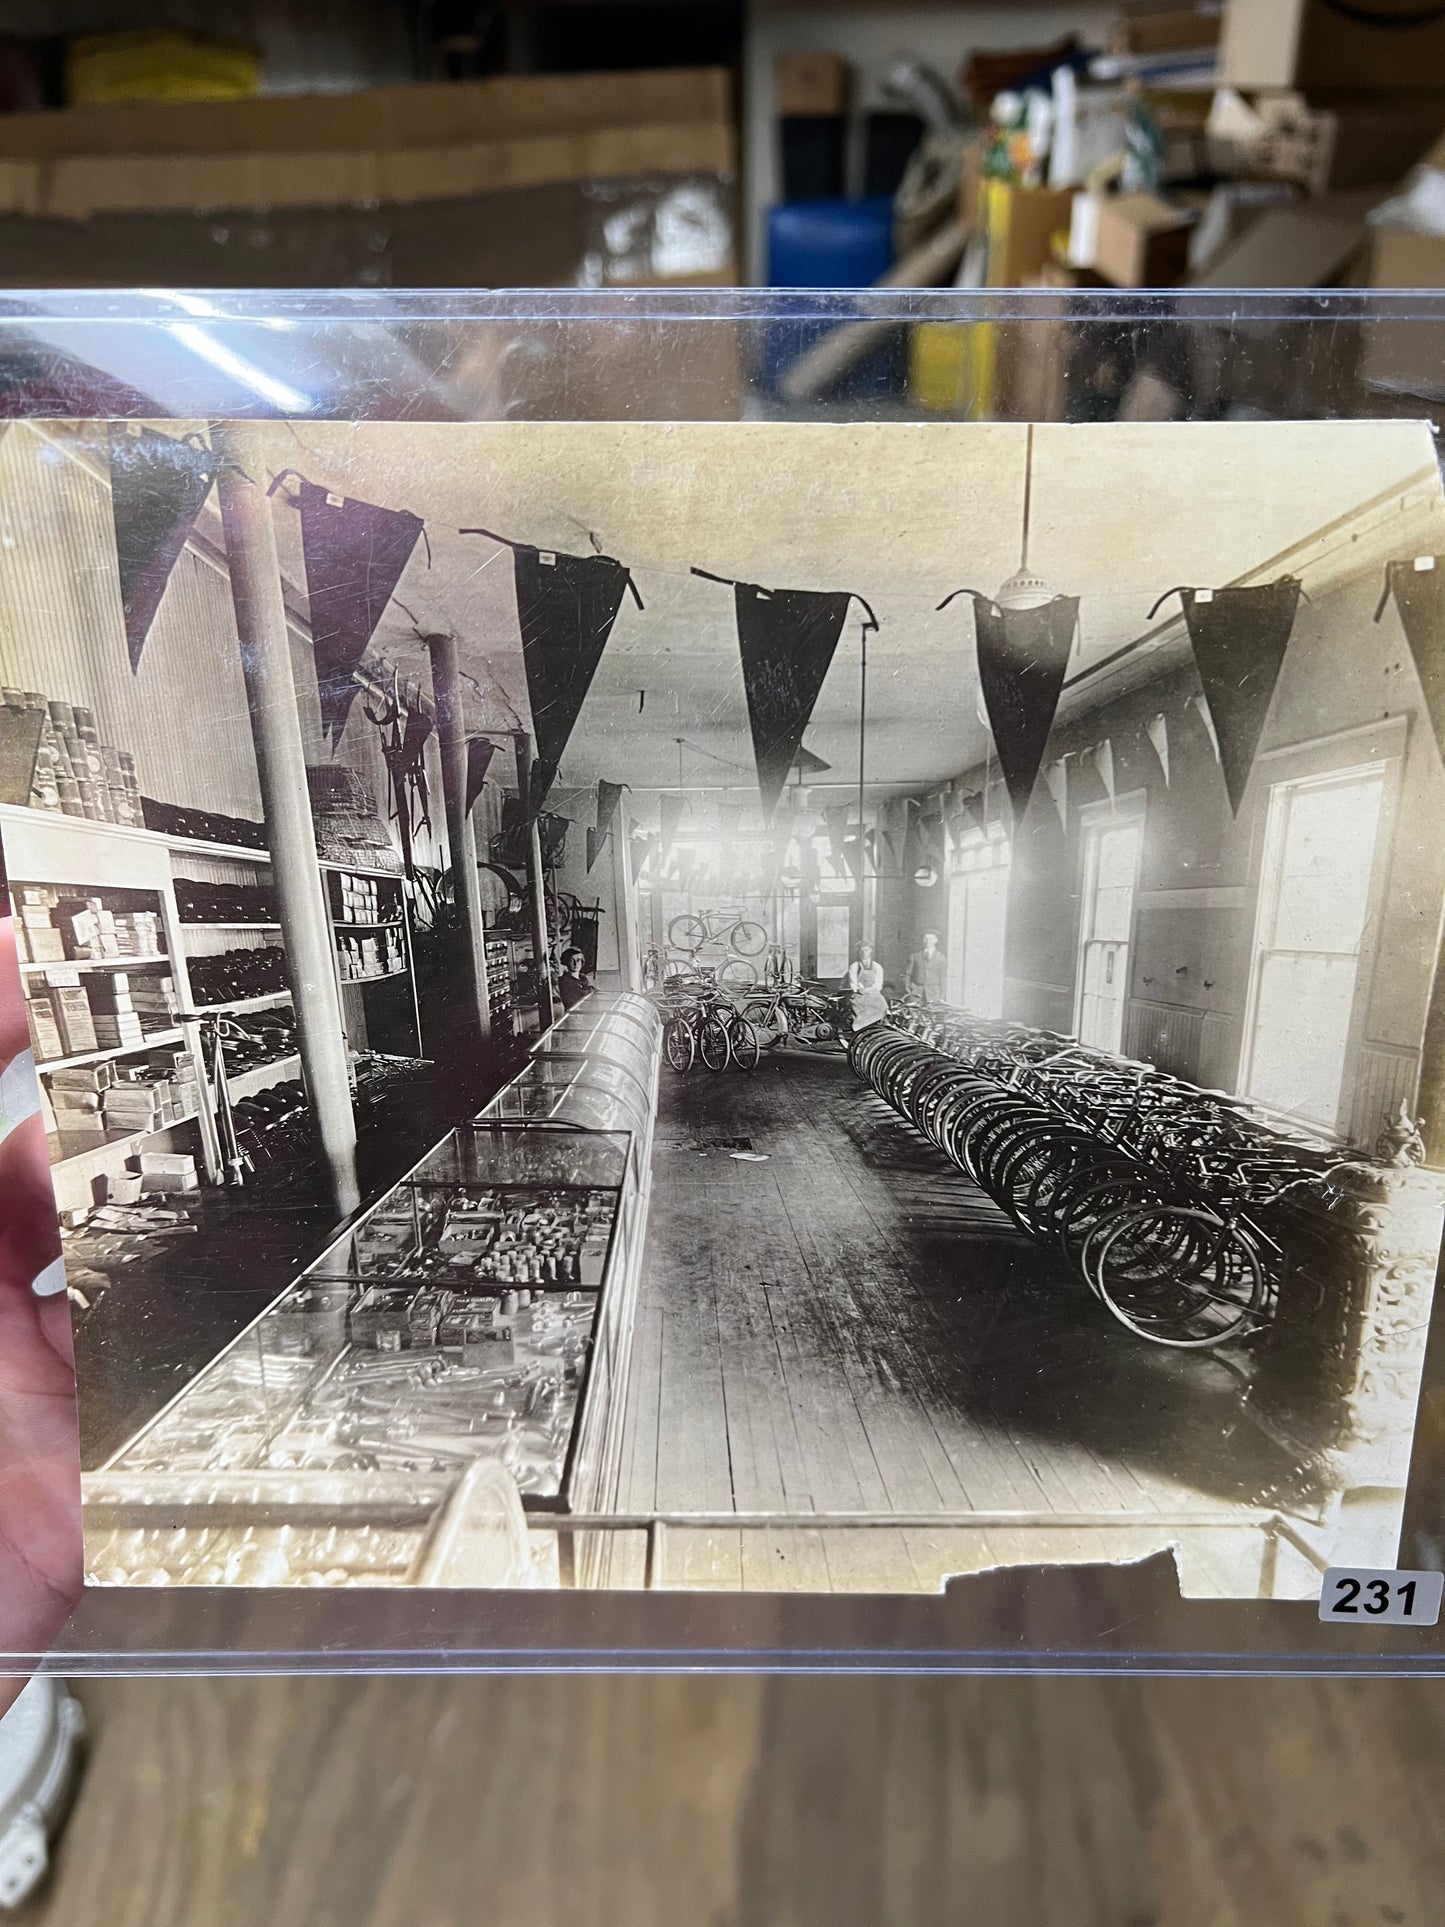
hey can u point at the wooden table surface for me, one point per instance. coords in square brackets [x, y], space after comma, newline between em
[696, 1802]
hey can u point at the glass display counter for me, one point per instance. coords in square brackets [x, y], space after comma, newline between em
[478, 1314]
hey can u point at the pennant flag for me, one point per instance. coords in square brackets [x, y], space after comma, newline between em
[1057, 778]
[1157, 730]
[1239, 638]
[670, 810]
[480, 751]
[835, 819]
[158, 485]
[1022, 656]
[642, 849]
[786, 638]
[354, 553]
[609, 795]
[566, 606]
[1103, 760]
[1419, 591]
[595, 842]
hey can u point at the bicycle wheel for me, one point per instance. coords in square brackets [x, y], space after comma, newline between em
[749, 939]
[738, 972]
[1180, 1277]
[713, 1044]
[678, 1044]
[744, 1043]
[687, 933]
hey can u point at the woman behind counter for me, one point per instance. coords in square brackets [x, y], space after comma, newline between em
[574, 983]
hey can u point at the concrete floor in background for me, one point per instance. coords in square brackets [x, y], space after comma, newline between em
[696, 1802]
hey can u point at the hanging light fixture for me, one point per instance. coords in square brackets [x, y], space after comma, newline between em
[1025, 588]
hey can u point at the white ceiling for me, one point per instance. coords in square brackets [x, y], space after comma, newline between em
[900, 513]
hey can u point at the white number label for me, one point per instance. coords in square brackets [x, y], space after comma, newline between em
[1362, 1596]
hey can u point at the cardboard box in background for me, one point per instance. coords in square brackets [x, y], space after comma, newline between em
[1021, 223]
[1311, 43]
[1140, 241]
[812, 85]
[387, 146]
[1175, 30]
[383, 188]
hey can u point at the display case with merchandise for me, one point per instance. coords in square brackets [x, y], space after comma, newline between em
[479, 1311]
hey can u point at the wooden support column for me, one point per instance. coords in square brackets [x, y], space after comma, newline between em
[461, 837]
[536, 887]
[624, 891]
[281, 766]
[1430, 1104]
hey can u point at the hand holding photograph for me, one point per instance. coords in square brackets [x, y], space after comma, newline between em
[733, 1006]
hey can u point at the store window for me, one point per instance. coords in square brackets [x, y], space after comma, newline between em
[1113, 842]
[978, 922]
[1311, 926]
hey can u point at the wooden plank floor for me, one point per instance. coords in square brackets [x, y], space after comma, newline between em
[849, 1325]
[687, 1802]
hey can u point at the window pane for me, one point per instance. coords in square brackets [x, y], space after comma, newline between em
[1324, 878]
[1302, 1025]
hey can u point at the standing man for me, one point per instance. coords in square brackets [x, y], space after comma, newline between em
[926, 969]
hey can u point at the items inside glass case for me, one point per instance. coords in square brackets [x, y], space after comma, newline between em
[455, 1321]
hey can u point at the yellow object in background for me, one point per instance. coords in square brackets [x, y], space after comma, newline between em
[160, 64]
[951, 368]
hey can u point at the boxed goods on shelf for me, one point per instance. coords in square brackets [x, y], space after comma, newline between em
[55, 760]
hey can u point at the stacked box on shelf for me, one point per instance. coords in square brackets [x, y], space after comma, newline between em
[35, 933]
[45, 1039]
[74, 772]
[77, 1099]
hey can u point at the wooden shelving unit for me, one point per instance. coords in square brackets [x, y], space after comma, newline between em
[93, 858]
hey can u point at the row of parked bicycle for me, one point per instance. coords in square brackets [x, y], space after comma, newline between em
[707, 1022]
[1186, 1212]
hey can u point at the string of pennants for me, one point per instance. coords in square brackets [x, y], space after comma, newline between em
[355, 553]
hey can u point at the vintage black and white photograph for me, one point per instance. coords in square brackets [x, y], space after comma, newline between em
[735, 1007]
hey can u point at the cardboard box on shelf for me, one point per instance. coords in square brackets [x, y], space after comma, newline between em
[1021, 223]
[812, 85]
[1310, 245]
[388, 146]
[1321, 43]
[1175, 30]
[1405, 258]
[1140, 241]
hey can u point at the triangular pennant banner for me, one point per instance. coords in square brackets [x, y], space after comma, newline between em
[480, 751]
[354, 553]
[1103, 759]
[566, 606]
[786, 638]
[642, 849]
[609, 795]
[595, 841]
[835, 819]
[1239, 638]
[669, 811]
[1419, 591]
[1022, 656]
[1157, 730]
[1056, 776]
[158, 485]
